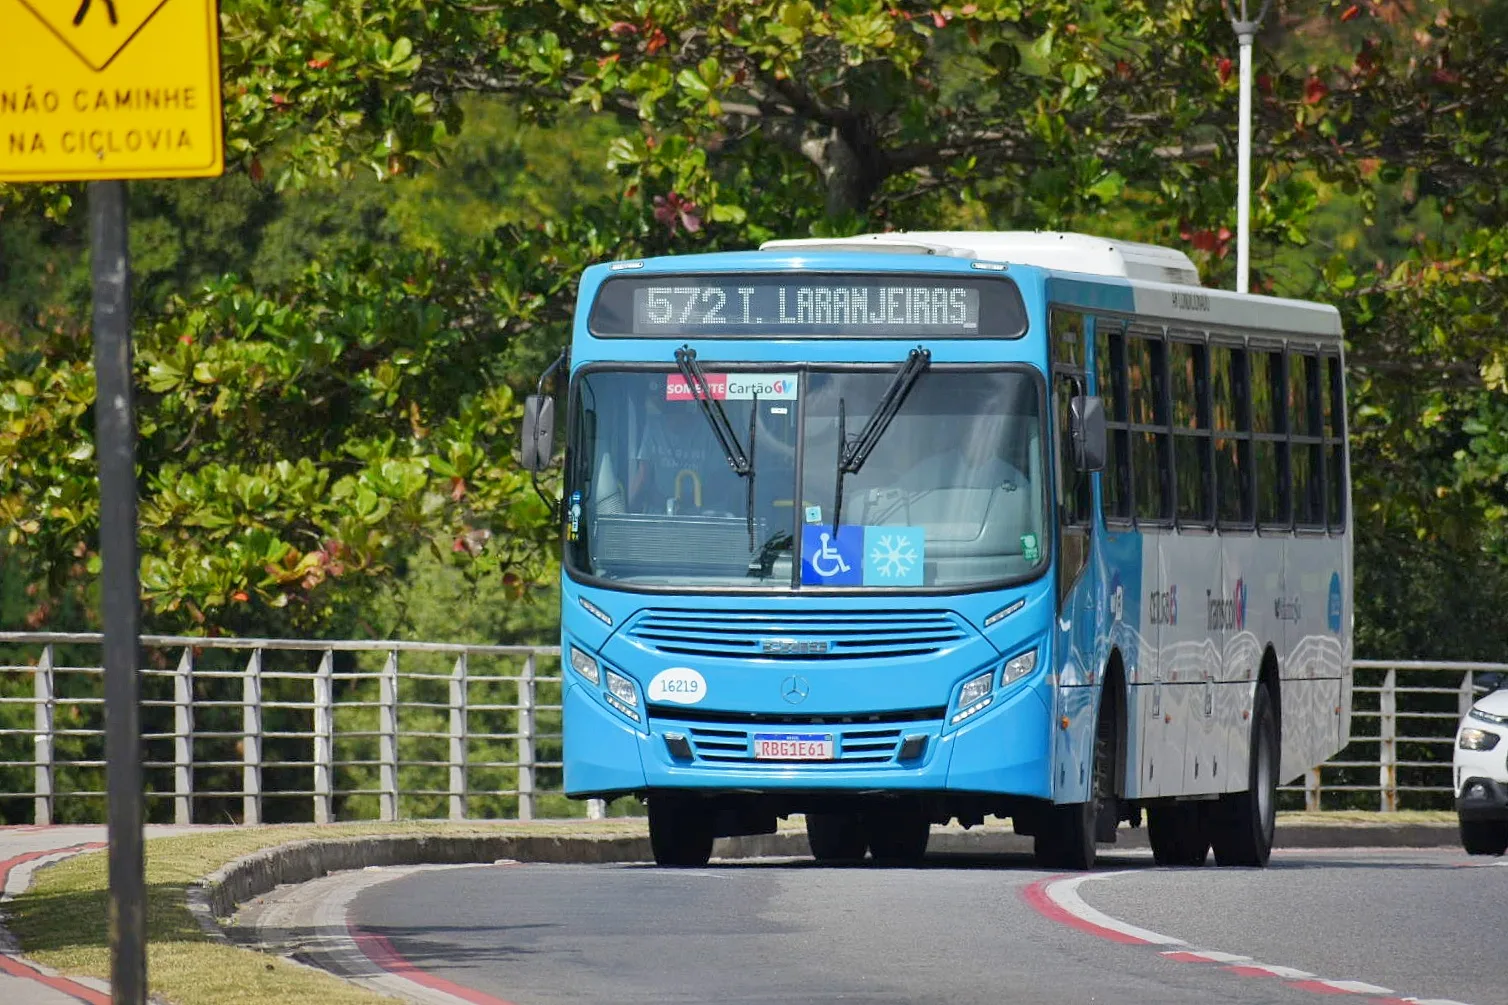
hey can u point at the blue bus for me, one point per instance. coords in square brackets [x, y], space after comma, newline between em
[908, 528]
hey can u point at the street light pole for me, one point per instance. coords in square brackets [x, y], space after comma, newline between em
[1246, 32]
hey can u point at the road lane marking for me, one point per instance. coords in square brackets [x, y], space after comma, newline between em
[1060, 900]
[1057, 898]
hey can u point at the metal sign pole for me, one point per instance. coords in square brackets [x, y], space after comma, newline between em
[1246, 32]
[115, 439]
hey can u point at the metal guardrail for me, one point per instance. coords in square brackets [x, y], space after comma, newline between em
[261, 730]
[1403, 724]
[347, 729]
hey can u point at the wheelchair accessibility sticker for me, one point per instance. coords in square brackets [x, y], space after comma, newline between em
[862, 556]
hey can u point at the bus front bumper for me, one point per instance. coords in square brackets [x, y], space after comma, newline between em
[1004, 750]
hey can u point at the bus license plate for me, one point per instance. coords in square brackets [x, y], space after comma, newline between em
[793, 746]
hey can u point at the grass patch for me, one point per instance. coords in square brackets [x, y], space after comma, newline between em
[61, 920]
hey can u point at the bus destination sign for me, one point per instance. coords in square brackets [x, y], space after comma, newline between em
[775, 306]
[891, 310]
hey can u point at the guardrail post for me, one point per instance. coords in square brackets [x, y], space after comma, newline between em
[183, 739]
[1387, 744]
[251, 740]
[387, 754]
[459, 695]
[596, 809]
[1312, 789]
[526, 740]
[42, 722]
[1466, 694]
[324, 739]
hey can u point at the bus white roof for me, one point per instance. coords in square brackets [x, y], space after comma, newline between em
[1160, 277]
[1097, 256]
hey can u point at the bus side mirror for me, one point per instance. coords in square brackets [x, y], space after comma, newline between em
[538, 432]
[1087, 419]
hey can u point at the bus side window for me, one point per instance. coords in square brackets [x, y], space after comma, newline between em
[1074, 488]
[1192, 464]
[1230, 407]
[1305, 436]
[1269, 423]
[1151, 449]
[1110, 384]
[1335, 445]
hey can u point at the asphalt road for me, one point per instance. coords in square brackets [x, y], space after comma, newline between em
[1423, 924]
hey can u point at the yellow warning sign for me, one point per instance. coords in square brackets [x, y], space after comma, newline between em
[96, 89]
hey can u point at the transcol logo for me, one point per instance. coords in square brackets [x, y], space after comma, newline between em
[1223, 614]
[1163, 606]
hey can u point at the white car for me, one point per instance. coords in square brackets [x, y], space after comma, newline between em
[1481, 772]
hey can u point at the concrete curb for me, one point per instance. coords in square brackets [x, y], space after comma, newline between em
[219, 894]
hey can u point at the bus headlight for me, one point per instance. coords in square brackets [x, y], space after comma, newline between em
[974, 697]
[1477, 739]
[585, 665]
[623, 689]
[1018, 667]
[976, 689]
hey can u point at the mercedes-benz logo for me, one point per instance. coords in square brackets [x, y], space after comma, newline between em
[795, 689]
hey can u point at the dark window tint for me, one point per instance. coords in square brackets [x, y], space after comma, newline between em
[1335, 445]
[1110, 384]
[1149, 462]
[1272, 489]
[1232, 484]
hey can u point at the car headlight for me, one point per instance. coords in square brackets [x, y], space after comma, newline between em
[1477, 739]
[1477, 713]
[623, 689]
[1018, 667]
[585, 665]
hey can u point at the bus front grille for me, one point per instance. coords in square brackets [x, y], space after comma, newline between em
[807, 635]
[857, 746]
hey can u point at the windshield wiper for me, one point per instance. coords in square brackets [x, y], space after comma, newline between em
[717, 417]
[685, 361]
[851, 456]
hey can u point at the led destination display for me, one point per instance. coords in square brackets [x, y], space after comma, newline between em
[776, 306]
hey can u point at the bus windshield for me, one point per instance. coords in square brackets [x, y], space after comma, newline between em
[951, 496]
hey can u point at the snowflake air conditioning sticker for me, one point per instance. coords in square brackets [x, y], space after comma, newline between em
[893, 556]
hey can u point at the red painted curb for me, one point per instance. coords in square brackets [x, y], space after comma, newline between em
[17, 967]
[380, 952]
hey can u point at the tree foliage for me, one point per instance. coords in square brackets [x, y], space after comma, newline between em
[324, 400]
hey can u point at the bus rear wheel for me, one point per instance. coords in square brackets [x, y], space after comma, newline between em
[1179, 833]
[680, 831]
[898, 835]
[836, 837]
[1245, 821]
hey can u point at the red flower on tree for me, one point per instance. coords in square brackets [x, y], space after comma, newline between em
[675, 210]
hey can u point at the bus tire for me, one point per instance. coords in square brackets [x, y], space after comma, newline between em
[1179, 834]
[836, 837]
[1484, 837]
[1246, 821]
[1066, 837]
[898, 835]
[680, 832]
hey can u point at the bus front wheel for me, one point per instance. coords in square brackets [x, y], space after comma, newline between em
[836, 837]
[680, 831]
[898, 835]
